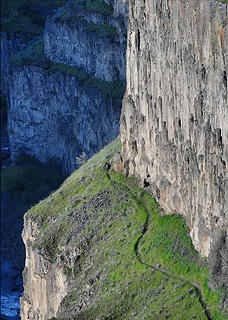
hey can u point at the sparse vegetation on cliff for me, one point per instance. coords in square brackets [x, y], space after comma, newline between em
[34, 55]
[93, 6]
[25, 16]
[91, 228]
[100, 30]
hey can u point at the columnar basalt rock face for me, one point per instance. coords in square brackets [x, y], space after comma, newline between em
[174, 122]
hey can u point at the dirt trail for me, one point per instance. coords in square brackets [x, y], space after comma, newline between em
[138, 255]
[194, 285]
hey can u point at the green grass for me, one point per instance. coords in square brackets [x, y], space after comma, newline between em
[167, 243]
[100, 220]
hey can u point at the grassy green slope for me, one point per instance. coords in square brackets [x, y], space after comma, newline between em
[91, 226]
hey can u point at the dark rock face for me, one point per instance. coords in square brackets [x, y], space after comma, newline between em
[11, 43]
[72, 42]
[52, 116]
[55, 116]
[174, 123]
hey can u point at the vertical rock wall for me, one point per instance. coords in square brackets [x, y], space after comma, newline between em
[174, 122]
[53, 116]
[57, 116]
[71, 41]
[11, 43]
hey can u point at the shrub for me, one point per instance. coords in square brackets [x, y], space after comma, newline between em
[29, 181]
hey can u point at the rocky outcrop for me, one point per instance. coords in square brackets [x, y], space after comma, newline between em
[92, 252]
[45, 282]
[57, 114]
[174, 123]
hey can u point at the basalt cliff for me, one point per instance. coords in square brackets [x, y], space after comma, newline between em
[101, 247]
[174, 120]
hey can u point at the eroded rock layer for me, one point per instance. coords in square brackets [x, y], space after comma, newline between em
[174, 123]
[68, 101]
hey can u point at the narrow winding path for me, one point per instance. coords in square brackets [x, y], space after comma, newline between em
[194, 285]
[138, 255]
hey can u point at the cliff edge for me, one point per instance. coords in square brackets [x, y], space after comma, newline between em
[174, 122]
[98, 248]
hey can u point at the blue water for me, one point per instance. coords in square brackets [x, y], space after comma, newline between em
[10, 287]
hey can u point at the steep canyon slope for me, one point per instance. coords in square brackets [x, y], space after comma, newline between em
[65, 89]
[98, 248]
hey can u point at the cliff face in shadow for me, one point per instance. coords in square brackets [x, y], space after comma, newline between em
[53, 116]
[65, 90]
[174, 122]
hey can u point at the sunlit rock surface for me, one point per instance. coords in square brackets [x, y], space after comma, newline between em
[174, 123]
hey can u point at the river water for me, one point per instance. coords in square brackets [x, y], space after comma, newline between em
[12, 259]
[12, 250]
[11, 283]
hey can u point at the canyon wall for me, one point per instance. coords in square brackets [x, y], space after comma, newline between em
[70, 42]
[59, 114]
[53, 116]
[174, 122]
[11, 43]
[174, 130]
